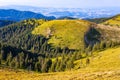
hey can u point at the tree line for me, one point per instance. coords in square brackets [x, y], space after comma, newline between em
[20, 49]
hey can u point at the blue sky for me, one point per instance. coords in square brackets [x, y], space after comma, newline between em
[63, 3]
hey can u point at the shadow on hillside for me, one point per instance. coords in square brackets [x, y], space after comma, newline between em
[92, 37]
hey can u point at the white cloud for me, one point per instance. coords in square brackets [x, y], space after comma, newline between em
[62, 3]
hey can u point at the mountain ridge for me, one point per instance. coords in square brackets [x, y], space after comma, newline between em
[16, 15]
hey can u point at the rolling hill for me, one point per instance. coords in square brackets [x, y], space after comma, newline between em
[76, 34]
[19, 35]
[104, 66]
[64, 33]
[113, 21]
[98, 20]
[64, 44]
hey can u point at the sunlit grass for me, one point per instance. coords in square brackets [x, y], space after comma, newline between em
[64, 33]
[104, 65]
[115, 21]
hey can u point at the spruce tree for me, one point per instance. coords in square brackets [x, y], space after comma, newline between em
[70, 64]
[9, 58]
[52, 69]
[37, 67]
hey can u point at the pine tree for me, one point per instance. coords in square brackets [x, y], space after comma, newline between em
[2, 55]
[62, 66]
[57, 67]
[17, 64]
[46, 65]
[49, 63]
[21, 60]
[0, 61]
[89, 49]
[26, 60]
[9, 58]
[52, 69]
[102, 45]
[70, 64]
[112, 44]
[37, 67]
[12, 64]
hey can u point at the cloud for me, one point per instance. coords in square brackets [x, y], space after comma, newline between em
[63, 3]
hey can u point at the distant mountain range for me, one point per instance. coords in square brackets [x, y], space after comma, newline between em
[16, 15]
[69, 12]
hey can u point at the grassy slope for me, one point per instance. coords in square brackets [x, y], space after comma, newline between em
[72, 33]
[64, 33]
[105, 65]
[109, 28]
[98, 20]
[114, 21]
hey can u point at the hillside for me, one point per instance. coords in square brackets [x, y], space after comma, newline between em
[16, 15]
[64, 33]
[104, 66]
[98, 20]
[110, 21]
[76, 34]
[71, 34]
[66, 17]
[19, 35]
[113, 21]
[60, 42]
[109, 28]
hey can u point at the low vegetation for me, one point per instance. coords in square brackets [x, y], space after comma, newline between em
[114, 21]
[64, 33]
[98, 20]
[83, 49]
[103, 65]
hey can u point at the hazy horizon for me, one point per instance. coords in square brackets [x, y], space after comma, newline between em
[62, 3]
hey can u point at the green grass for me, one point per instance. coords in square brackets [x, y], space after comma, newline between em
[103, 60]
[64, 33]
[71, 33]
[114, 21]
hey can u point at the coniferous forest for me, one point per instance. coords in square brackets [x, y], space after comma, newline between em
[20, 49]
[59, 40]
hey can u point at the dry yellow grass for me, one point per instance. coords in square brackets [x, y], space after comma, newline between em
[114, 21]
[71, 75]
[104, 65]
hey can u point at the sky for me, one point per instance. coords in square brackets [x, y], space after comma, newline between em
[63, 3]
